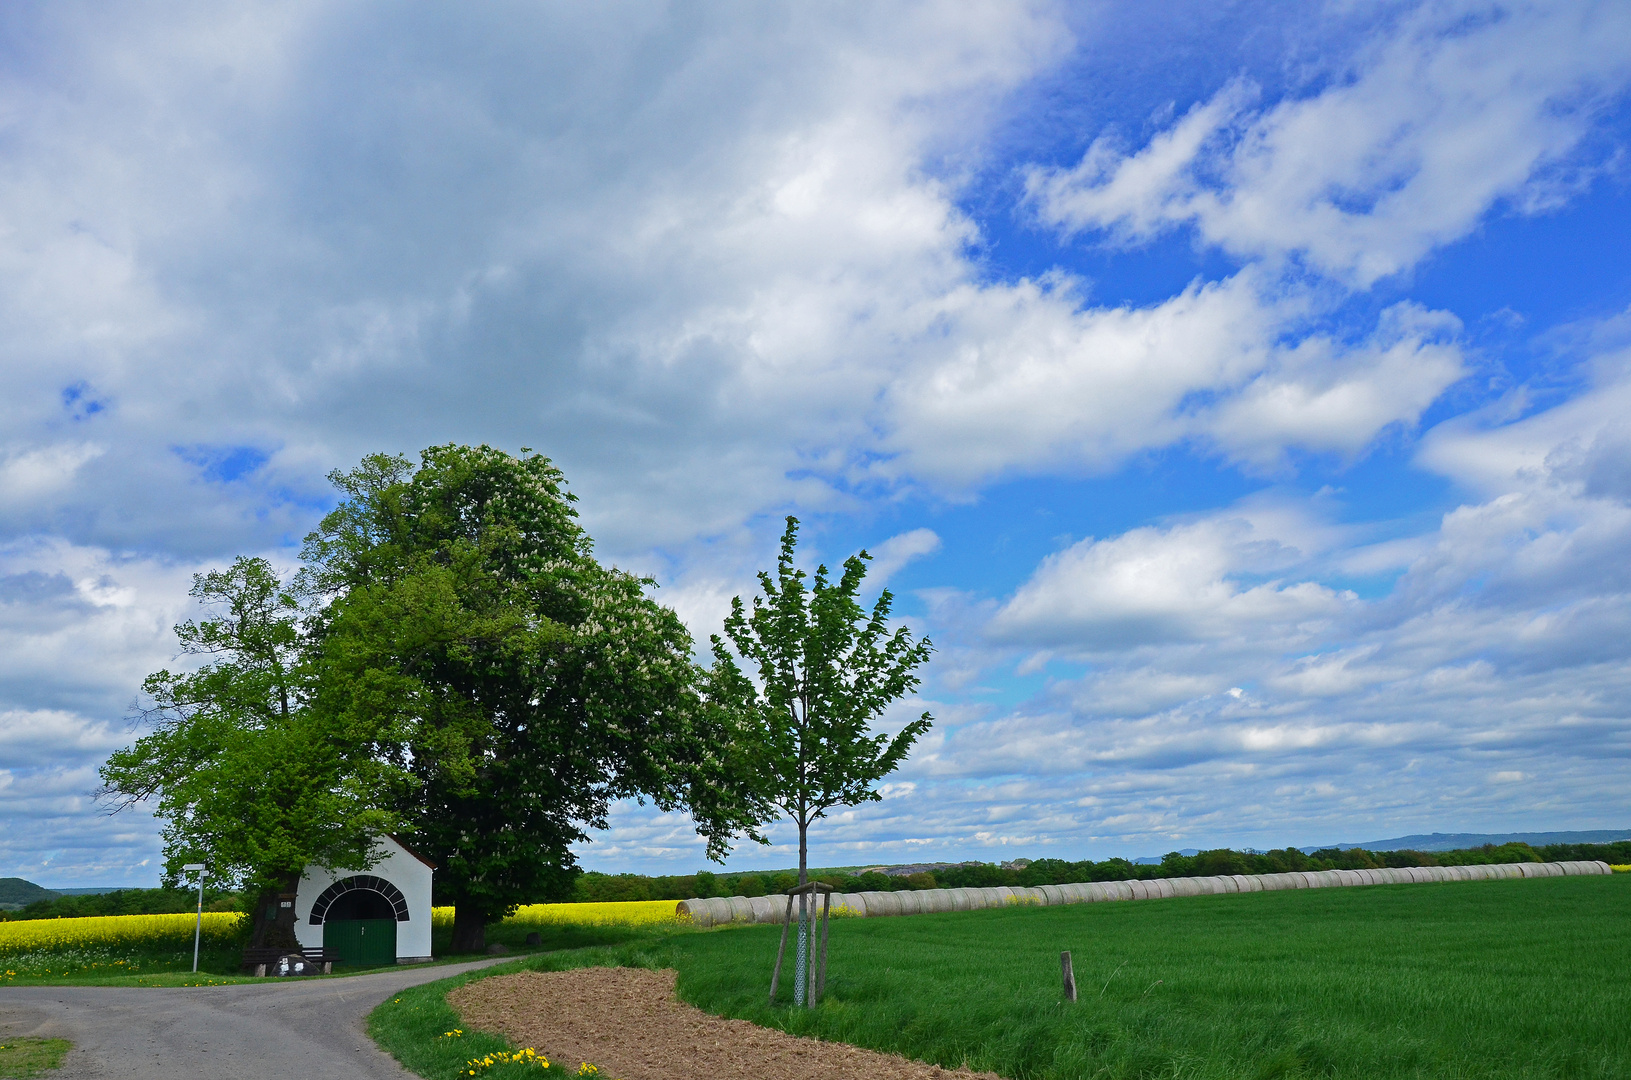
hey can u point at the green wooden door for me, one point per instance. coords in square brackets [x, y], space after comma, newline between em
[362, 942]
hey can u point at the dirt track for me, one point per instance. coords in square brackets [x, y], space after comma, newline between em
[627, 1022]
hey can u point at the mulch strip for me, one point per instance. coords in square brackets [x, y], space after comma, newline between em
[628, 1022]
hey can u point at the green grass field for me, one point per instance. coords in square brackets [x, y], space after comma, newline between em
[1508, 979]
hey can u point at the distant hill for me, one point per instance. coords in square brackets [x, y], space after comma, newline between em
[15, 892]
[1455, 841]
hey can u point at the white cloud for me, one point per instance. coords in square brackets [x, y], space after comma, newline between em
[1024, 380]
[1319, 396]
[29, 474]
[80, 627]
[708, 285]
[894, 553]
[1461, 106]
[720, 268]
[1171, 585]
[1488, 686]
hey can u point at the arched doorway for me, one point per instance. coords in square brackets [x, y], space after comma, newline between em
[359, 917]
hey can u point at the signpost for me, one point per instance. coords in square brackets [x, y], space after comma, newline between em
[198, 928]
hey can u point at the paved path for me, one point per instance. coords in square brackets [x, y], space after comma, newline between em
[294, 1028]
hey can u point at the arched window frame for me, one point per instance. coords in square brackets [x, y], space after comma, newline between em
[369, 882]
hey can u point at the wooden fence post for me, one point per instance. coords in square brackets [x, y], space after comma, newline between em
[821, 979]
[776, 975]
[1069, 975]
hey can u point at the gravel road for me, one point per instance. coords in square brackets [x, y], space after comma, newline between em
[280, 1028]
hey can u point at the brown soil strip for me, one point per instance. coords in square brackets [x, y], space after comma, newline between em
[627, 1022]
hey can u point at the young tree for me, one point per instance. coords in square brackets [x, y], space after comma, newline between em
[524, 685]
[801, 736]
[248, 778]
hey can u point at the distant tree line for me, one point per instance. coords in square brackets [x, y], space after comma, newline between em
[592, 887]
[127, 902]
[595, 887]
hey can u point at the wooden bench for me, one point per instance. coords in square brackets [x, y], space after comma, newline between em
[256, 960]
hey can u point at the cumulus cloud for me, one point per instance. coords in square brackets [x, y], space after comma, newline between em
[30, 474]
[1487, 684]
[708, 284]
[1462, 105]
[1184, 583]
[1030, 382]
[725, 267]
[894, 553]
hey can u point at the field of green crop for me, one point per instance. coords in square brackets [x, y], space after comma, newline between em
[1511, 979]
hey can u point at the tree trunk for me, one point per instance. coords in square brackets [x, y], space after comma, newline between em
[272, 925]
[801, 966]
[469, 929]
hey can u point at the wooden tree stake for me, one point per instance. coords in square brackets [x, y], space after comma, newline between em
[1069, 975]
[816, 967]
[821, 977]
[775, 976]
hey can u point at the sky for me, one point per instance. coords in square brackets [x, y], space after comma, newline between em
[1238, 394]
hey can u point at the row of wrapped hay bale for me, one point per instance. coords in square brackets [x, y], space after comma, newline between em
[771, 909]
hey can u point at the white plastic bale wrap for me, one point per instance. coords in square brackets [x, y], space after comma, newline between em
[880, 903]
[719, 911]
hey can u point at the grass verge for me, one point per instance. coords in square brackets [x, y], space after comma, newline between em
[1510, 979]
[31, 1057]
[420, 1029]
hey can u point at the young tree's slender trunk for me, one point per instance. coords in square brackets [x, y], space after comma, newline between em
[469, 929]
[804, 851]
[272, 925]
[801, 966]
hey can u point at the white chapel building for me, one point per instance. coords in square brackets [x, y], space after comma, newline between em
[376, 917]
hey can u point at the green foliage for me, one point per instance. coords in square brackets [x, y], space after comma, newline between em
[800, 738]
[129, 902]
[246, 774]
[18, 891]
[521, 683]
[603, 887]
[451, 663]
[1615, 854]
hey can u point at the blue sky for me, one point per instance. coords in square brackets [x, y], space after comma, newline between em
[1235, 392]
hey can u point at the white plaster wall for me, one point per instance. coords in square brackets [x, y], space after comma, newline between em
[396, 866]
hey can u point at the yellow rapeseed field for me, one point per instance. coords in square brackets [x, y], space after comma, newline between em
[1621, 869]
[629, 913]
[28, 935]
